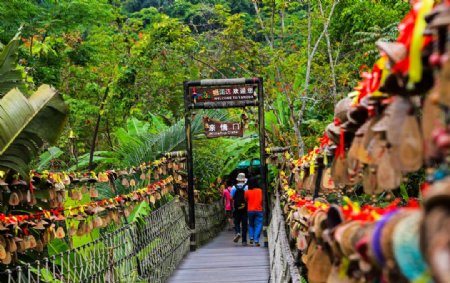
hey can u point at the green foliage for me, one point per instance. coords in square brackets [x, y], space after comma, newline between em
[47, 157]
[27, 124]
[141, 210]
[144, 49]
[107, 159]
[11, 74]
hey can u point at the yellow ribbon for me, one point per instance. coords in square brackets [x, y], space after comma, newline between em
[415, 59]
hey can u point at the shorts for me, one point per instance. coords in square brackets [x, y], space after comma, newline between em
[229, 213]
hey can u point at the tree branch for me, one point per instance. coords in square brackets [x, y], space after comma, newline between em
[261, 22]
[330, 58]
[210, 66]
[311, 54]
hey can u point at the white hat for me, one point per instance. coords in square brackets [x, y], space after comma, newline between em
[241, 177]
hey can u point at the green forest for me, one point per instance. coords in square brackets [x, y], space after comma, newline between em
[133, 131]
[120, 65]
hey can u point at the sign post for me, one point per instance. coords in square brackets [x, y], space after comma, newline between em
[217, 94]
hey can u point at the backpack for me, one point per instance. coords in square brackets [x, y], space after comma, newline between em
[239, 198]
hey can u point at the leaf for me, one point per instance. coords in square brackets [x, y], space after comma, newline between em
[103, 157]
[404, 192]
[45, 158]
[136, 127]
[45, 274]
[143, 209]
[26, 124]
[10, 74]
[157, 124]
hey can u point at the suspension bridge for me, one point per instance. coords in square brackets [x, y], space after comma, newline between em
[157, 249]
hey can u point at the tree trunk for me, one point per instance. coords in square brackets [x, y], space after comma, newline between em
[97, 125]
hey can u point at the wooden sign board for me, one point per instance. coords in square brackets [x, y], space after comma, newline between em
[223, 93]
[216, 129]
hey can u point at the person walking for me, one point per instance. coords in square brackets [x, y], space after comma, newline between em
[226, 194]
[255, 211]
[240, 208]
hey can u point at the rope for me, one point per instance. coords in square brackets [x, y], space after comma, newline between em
[282, 264]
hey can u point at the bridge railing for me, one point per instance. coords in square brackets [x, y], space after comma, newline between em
[142, 251]
[209, 220]
[282, 263]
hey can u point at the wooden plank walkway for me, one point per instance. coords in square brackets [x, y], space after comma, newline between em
[223, 261]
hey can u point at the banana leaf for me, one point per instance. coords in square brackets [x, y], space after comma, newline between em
[27, 124]
[10, 73]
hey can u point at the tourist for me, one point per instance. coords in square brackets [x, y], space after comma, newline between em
[240, 208]
[255, 211]
[226, 194]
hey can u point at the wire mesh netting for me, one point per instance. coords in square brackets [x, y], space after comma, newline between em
[142, 251]
[282, 264]
[146, 251]
[209, 221]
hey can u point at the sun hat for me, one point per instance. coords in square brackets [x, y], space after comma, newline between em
[437, 195]
[241, 178]
[410, 151]
[327, 183]
[349, 233]
[444, 97]
[388, 178]
[435, 242]
[391, 269]
[335, 276]
[377, 236]
[335, 216]
[432, 118]
[439, 17]
[319, 265]
[332, 132]
[435, 229]
[406, 248]
[370, 184]
[341, 109]
[396, 51]
[318, 224]
[396, 84]
[358, 114]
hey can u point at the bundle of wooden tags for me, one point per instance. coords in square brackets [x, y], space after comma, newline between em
[394, 123]
[44, 196]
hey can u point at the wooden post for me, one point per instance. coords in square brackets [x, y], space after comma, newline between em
[190, 167]
[262, 156]
[320, 167]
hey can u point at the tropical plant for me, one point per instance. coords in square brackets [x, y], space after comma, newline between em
[11, 74]
[27, 124]
[373, 34]
[47, 157]
[137, 145]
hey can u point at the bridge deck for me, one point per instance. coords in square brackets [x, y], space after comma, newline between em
[222, 261]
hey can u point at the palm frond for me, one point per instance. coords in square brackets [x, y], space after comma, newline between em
[26, 124]
[149, 146]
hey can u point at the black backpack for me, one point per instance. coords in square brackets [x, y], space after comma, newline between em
[239, 198]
